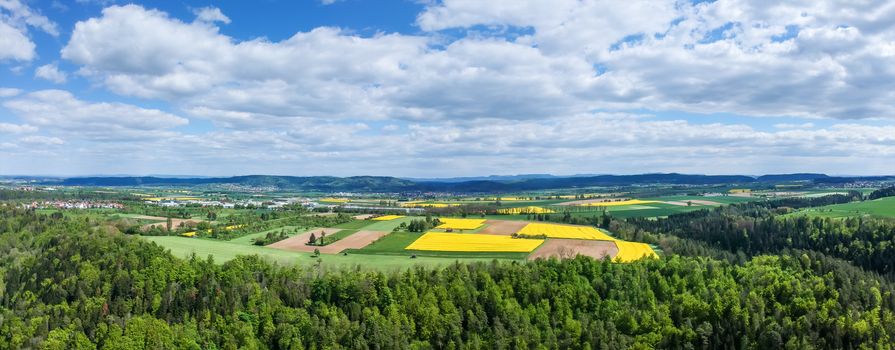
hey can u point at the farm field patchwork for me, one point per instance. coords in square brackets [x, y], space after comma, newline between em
[223, 251]
[455, 242]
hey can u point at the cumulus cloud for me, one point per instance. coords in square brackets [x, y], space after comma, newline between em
[60, 111]
[15, 18]
[210, 15]
[52, 73]
[17, 13]
[14, 44]
[723, 56]
[491, 87]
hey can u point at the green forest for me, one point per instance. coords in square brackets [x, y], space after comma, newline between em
[79, 284]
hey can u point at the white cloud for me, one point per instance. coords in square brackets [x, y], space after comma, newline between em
[14, 44]
[516, 91]
[16, 128]
[580, 56]
[15, 18]
[19, 14]
[38, 140]
[60, 111]
[210, 15]
[9, 92]
[52, 73]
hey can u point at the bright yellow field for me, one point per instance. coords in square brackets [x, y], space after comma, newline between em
[527, 210]
[429, 205]
[460, 224]
[454, 242]
[615, 204]
[335, 200]
[387, 217]
[563, 231]
[631, 251]
[193, 233]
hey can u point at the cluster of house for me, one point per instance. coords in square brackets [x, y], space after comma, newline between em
[74, 205]
[276, 203]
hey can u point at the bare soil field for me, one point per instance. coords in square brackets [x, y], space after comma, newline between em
[503, 227]
[362, 216]
[597, 200]
[357, 240]
[297, 242]
[678, 203]
[569, 248]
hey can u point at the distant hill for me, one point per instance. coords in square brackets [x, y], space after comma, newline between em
[791, 177]
[309, 183]
[476, 185]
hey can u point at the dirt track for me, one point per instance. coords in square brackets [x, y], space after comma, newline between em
[357, 240]
[503, 227]
[569, 248]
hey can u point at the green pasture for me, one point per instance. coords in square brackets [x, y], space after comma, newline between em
[883, 207]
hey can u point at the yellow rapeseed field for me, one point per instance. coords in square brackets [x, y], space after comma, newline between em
[335, 200]
[563, 231]
[458, 242]
[460, 224]
[631, 251]
[527, 210]
[615, 204]
[387, 217]
[193, 233]
[428, 205]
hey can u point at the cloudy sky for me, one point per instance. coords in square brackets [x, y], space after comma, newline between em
[446, 88]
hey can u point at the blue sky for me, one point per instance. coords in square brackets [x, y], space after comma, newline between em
[446, 88]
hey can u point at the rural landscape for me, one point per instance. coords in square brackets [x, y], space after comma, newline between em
[447, 174]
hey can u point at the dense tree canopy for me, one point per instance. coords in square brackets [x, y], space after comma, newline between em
[75, 284]
[759, 228]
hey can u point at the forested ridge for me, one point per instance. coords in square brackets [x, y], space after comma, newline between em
[74, 284]
[760, 228]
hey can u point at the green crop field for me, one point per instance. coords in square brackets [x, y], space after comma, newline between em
[354, 224]
[390, 224]
[883, 207]
[223, 251]
[249, 238]
[337, 236]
